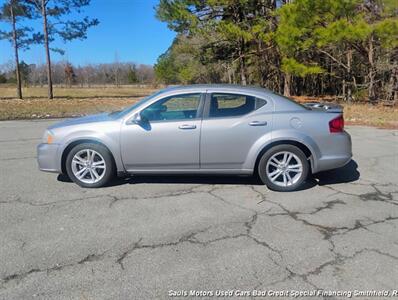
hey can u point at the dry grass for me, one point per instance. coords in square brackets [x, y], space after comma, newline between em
[371, 115]
[81, 101]
[67, 102]
[8, 92]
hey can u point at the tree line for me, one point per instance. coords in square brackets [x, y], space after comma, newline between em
[65, 73]
[347, 48]
[56, 23]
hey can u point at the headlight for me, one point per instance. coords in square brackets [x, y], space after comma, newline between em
[48, 137]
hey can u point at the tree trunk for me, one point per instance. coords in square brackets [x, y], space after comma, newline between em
[242, 71]
[349, 86]
[46, 45]
[242, 65]
[371, 75]
[287, 82]
[344, 89]
[15, 42]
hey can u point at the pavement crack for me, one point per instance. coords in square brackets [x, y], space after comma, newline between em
[211, 192]
[115, 199]
[329, 205]
[58, 267]
[127, 252]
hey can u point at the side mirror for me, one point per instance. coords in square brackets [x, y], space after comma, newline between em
[138, 119]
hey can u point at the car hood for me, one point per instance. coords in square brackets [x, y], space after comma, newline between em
[83, 120]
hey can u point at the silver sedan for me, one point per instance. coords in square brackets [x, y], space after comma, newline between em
[201, 129]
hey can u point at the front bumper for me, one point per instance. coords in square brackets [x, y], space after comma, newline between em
[47, 158]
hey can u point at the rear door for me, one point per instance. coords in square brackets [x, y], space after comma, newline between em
[231, 124]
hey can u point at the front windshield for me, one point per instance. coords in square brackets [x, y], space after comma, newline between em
[128, 109]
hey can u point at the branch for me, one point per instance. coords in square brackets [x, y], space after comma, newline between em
[334, 59]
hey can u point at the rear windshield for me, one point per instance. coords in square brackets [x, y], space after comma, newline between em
[292, 101]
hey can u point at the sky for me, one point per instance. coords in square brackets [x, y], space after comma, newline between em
[128, 31]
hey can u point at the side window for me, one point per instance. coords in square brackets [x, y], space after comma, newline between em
[230, 105]
[178, 107]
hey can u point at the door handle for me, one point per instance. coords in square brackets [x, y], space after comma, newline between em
[258, 123]
[187, 126]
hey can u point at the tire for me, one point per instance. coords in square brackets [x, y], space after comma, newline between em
[94, 172]
[291, 176]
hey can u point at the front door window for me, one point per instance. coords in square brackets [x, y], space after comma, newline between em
[178, 107]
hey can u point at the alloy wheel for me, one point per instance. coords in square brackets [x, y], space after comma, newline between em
[88, 166]
[284, 168]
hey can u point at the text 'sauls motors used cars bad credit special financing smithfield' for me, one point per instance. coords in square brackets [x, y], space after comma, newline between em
[201, 129]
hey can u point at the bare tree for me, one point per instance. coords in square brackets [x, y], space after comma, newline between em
[11, 12]
[67, 30]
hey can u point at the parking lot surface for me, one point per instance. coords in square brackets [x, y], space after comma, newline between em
[151, 237]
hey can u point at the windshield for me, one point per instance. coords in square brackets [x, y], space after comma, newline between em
[128, 109]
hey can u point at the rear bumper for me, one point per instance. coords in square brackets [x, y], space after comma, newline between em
[47, 158]
[330, 163]
[336, 152]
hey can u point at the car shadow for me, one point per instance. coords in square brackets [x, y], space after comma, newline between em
[188, 179]
[348, 173]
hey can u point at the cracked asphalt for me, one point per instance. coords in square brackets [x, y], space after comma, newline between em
[145, 236]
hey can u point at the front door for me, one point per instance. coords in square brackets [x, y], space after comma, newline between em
[167, 138]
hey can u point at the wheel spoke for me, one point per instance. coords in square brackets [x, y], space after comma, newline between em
[274, 172]
[84, 173]
[78, 173]
[297, 166]
[78, 161]
[273, 164]
[289, 178]
[88, 155]
[94, 172]
[289, 157]
[284, 158]
[79, 158]
[273, 178]
[275, 161]
[284, 179]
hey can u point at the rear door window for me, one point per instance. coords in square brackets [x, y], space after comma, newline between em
[232, 105]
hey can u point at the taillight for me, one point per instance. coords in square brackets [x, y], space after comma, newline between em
[337, 124]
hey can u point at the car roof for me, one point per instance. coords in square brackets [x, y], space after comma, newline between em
[280, 102]
[215, 87]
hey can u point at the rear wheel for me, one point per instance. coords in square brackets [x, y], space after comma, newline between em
[283, 168]
[90, 165]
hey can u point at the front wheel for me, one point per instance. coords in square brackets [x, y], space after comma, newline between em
[90, 165]
[283, 168]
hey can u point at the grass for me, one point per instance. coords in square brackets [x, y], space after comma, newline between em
[124, 91]
[77, 101]
[67, 102]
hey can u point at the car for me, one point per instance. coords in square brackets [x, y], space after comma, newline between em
[201, 129]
